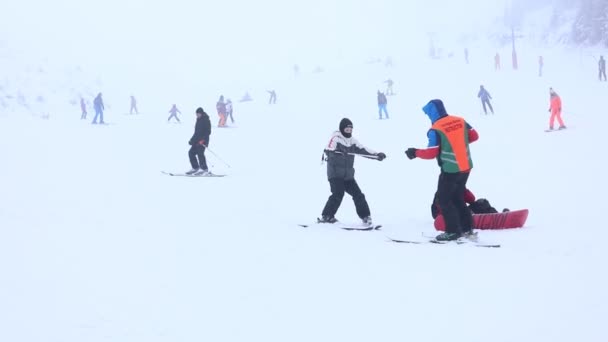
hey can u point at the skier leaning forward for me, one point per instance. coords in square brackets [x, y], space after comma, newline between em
[449, 139]
[341, 173]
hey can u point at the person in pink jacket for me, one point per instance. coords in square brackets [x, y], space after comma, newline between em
[555, 108]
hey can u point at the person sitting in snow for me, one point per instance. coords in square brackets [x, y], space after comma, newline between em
[477, 206]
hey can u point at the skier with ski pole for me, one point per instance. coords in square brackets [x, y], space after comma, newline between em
[340, 153]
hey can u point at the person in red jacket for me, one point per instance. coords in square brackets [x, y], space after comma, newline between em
[449, 139]
[555, 108]
[469, 198]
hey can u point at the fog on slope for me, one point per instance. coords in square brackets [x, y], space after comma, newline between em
[230, 39]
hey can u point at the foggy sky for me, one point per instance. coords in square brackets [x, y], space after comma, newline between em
[229, 30]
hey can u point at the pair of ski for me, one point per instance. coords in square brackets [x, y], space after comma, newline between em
[351, 227]
[461, 241]
[192, 175]
[428, 239]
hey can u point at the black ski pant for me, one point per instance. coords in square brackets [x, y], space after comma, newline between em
[602, 73]
[197, 151]
[338, 187]
[487, 103]
[450, 193]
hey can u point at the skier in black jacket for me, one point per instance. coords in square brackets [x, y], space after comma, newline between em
[199, 140]
[340, 153]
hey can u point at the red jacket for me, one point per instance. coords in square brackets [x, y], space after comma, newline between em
[469, 198]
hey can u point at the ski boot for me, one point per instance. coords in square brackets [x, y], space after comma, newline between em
[193, 171]
[367, 221]
[327, 219]
[202, 172]
[470, 235]
[448, 236]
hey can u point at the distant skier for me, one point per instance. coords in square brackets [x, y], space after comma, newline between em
[388, 62]
[389, 87]
[99, 108]
[229, 109]
[273, 97]
[173, 111]
[382, 102]
[466, 55]
[601, 64]
[449, 139]
[221, 111]
[198, 142]
[497, 62]
[555, 108]
[246, 97]
[83, 109]
[485, 98]
[340, 155]
[541, 63]
[133, 106]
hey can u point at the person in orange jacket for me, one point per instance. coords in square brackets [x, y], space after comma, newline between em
[555, 108]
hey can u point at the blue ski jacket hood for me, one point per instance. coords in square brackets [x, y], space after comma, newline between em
[435, 110]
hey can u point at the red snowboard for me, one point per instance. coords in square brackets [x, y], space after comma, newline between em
[510, 219]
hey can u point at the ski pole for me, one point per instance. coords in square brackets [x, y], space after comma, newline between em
[368, 156]
[216, 156]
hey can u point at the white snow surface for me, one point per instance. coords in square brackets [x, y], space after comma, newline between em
[97, 245]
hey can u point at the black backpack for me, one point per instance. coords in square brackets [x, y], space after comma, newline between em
[482, 206]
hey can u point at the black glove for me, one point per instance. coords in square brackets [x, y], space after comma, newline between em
[381, 156]
[411, 152]
[190, 142]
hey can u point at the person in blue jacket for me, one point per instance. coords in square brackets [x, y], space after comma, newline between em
[99, 108]
[485, 98]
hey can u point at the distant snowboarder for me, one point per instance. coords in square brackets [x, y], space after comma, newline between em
[485, 98]
[340, 155]
[173, 111]
[198, 143]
